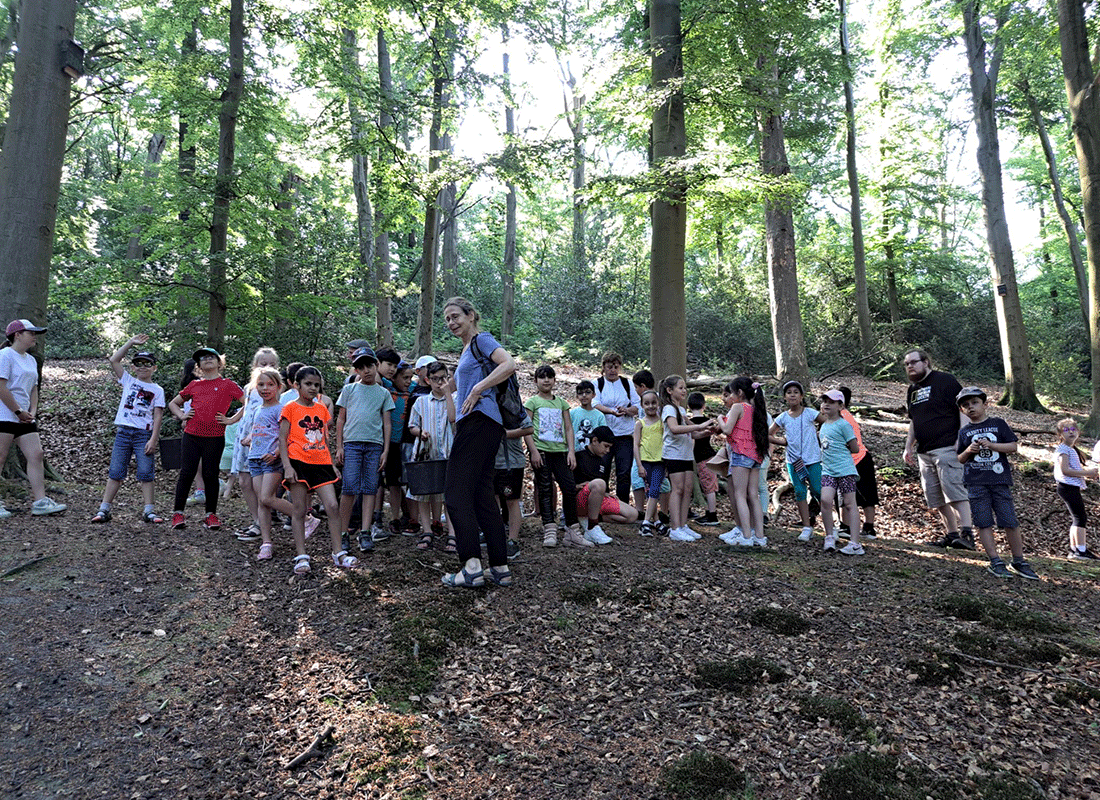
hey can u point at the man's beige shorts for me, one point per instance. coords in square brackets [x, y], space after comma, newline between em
[941, 477]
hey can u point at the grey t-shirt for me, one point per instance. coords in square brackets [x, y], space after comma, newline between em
[364, 404]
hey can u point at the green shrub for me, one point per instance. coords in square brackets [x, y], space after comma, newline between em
[740, 674]
[703, 776]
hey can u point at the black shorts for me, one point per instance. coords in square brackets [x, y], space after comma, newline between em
[312, 475]
[678, 465]
[866, 482]
[17, 429]
[508, 483]
[395, 468]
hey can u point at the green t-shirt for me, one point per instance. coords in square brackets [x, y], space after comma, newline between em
[364, 405]
[548, 418]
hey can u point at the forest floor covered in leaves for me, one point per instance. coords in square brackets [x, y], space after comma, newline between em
[139, 662]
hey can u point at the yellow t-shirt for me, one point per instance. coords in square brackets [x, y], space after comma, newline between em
[649, 448]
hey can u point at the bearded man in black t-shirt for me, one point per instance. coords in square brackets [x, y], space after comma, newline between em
[934, 422]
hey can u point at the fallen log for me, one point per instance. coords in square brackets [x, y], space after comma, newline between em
[314, 750]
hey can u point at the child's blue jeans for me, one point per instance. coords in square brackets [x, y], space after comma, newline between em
[131, 441]
[361, 468]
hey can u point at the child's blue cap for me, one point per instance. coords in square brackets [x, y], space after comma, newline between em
[363, 355]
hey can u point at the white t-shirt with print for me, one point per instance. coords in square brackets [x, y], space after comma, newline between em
[139, 398]
[21, 372]
[613, 395]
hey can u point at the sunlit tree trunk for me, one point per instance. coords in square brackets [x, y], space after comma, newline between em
[223, 182]
[430, 251]
[859, 256]
[1019, 382]
[1080, 274]
[32, 158]
[135, 251]
[668, 212]
[508, 274]
[1084, 108]
[383, 313]
[360, 167]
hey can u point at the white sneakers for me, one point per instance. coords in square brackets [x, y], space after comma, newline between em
[852, 549]
[734, 532]
[736, 538]
[4, 513]
[759, 541]
[830, 543]
[41, 508]
[596, 535]
[682, 535]
[806, 535]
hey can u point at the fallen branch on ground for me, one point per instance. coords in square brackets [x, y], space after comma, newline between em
[314, 748]
[25, 565]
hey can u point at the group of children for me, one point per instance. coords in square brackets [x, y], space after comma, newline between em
[388, 413]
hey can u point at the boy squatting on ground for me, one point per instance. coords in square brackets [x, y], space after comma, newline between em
[593, 501]
[982, 449]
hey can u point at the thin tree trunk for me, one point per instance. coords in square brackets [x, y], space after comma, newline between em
[508, 273]
[668, 211]
[1019, 382]
[787, 333]
[32, 159]
[1084, 108]
[383, 313]
[360, 168]
[223, 182]
[448, 229]
[1080, 274]
[135, 251]
[282, 277]
[859, 256]
[429, 251]
[7, 51]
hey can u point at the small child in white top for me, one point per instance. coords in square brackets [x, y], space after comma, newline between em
[1070, 474]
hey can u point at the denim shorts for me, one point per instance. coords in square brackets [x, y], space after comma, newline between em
[361, 468]
[987, 502]
[258, 467]
[131, 441]
[738, 460]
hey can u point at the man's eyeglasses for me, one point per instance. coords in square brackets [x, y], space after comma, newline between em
[912, 361]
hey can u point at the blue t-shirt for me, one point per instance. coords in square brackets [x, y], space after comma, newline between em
[265, 430]
[469, 371]
[986, 467]
[836, 458]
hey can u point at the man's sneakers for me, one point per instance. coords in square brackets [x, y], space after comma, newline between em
[41, 508]
[596, 535]
[959, 541]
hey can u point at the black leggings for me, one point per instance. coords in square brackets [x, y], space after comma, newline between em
[1071, 496]
[208, 450]
[468, 491]
[555, 468]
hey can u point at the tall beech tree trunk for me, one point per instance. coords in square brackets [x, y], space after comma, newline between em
[448, 227]
[1084, 109]
[429, 254]
[360, 167]
[508, 273]
[1019, 381]
[223, 182]
[1080, 274]
[32, 158]
[859, 255]
[135, 251]
[787, 332]
[668, 211]
[383, 313]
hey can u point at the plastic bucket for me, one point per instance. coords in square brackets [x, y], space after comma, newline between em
[426, 477]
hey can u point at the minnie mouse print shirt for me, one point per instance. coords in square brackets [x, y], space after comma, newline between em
[307, 440]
